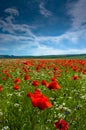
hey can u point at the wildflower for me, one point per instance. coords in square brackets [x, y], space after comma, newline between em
[84, 72]
[5, 128]
[16, 105]
[17, 80]
[74, 68]
[55, 68]
[61, 124]
[44, 83]
[16, 87]
[39, 100]
[66, 112]
[8, 75]
[59, 75]
[53, 79]
[4, 78]
[35, 83]
[75, 77]
[26, 77]
[0, 88]
[54, 85]
[1, 113]
[28, 63]
[38, 68]
[26, 70]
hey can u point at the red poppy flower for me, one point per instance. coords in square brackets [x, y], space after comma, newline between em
[35, 83]
[28, 63]
[16, 87]
[26, 77]
[84, 72]
[4, 78]
[17, 80]
[26, 70]
[61, 125]
[59, 75]
[74, 68]
[37, 68]
[0, 88]
[53, 79]
[44, 83]
[55, 68]
[53, 85]
[39, 100]
[8, 75]
[75, 77]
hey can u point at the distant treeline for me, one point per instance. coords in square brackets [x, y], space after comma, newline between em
[76, 56]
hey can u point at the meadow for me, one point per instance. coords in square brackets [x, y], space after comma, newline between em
[37, 94]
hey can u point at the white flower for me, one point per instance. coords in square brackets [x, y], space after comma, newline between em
[5, 128]
[63, 104]
[16, 105]
[61, 115]
[1, 113]
[82, 96]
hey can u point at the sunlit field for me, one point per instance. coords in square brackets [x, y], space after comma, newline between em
[42, 94]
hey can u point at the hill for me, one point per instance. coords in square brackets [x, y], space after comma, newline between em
[71, 56]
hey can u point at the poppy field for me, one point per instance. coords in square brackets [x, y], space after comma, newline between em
[42, 94]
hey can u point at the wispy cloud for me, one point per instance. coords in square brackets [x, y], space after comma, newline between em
[77, 12]
[72, 36]
[12, 11]
[45, 12]
[38, 49]
[14, 30]
[51, 51]
[17, 38]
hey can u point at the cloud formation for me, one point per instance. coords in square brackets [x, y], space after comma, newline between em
[77, 12]
[44, 11]
[31, 44]
[12, 11]
[14, 30]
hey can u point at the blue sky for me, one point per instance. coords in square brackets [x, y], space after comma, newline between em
[42, 27]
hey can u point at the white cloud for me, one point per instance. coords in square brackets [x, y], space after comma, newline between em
[77, 12]
[71, 36]
[51, 51]
[44, 11]
[8, 26]
[44, 50]
[15, 38]
[12, 11]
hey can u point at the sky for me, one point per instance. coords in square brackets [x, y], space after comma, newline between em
[42, 27]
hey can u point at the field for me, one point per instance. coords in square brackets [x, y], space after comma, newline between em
[42, 94]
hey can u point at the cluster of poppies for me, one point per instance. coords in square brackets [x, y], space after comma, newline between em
[39, 100]
[42, 102]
